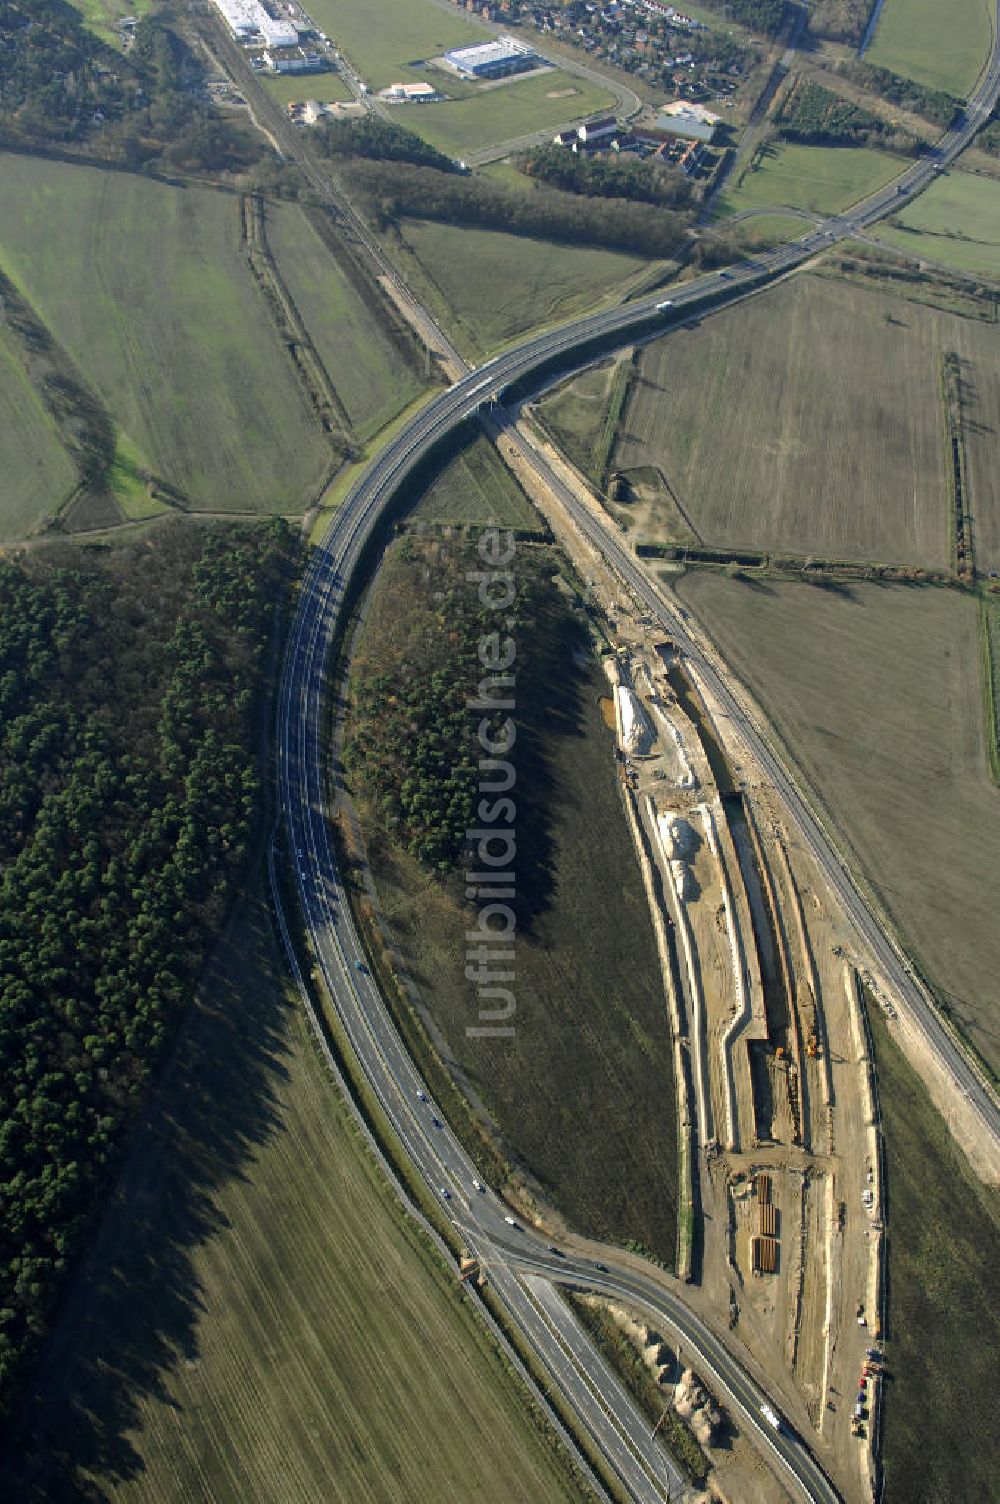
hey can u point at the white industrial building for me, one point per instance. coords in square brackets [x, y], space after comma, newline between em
[421, 93]
[248, 21]
[593, 131]
[294, 62]
[693, 121]
[496, 59]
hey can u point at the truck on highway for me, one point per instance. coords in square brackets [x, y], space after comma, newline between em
[771, 1416]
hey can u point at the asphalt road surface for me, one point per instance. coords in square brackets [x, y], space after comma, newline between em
[522, 1269]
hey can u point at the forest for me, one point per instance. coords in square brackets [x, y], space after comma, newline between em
[816, 115]
[61, 85]
[604, 176]
[932, 104]
[390, 191]
[840, 20]
[414, 745]
[381, 140]
[130, 683]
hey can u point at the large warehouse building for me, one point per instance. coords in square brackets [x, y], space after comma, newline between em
[249, 21]
[497, 59]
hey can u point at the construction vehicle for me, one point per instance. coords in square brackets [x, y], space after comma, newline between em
[812, 1046]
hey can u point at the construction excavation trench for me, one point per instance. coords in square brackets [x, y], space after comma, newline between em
[766, 1016]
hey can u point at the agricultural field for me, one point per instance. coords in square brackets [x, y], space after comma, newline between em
[757, 443]
[476, 487]
[407, 34]
[257, 1319]
[956, 221]
[942, 46]
[487, 287]
[157, 308]
[498, 113]
[582, 1093]
[372, 378]
[821, 179]
[38, 474]
[878, 693]
[941, 1439]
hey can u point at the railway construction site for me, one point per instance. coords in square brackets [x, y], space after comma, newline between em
[778, 1112]
[782, 1236]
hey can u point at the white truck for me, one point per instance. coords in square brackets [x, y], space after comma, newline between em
[771, 1416]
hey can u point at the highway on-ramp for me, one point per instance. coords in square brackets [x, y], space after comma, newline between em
[516, 1257]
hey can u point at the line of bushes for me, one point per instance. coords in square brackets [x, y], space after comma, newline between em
[932, 104]
[815, 115]
[389, 191]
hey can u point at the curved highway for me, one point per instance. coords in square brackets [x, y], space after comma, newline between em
[435, 1152]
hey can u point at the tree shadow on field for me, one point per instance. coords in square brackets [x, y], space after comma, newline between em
[552, 684]
[131, 1312]
[830, 585]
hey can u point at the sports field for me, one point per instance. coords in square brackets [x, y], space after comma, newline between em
[878, 691]
[488, 287]
[942, 45]
[146, 288]
[503, 113]
[257, 1320]
[476, 487]
[373, 380]
[809, 420]
[37, 472]
[823, 179]
[956, 221]
[406, 32]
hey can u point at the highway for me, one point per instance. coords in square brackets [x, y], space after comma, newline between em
[516, 1258]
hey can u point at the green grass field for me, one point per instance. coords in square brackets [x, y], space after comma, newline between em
[583, 1092]
[766, 230]
[406, 32]
[879, 693]
[326, 87]
[577, 412]
[257, 1319]
[809, 421]
[941, 1438]
[102, 16]
[943, 46]
[38, 474]
[956, 221]
[487, 287]
[146, 288]
[823, 179]
[476, 487]
[372, 379]
[502, 113]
